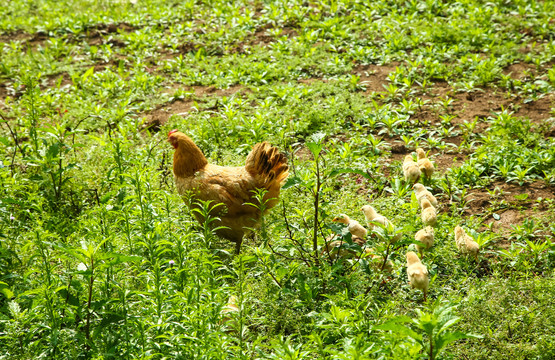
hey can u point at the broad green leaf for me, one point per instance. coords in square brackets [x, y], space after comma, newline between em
[315, 148]
[448, 338]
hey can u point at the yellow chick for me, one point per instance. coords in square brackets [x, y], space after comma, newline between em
[465, 243]
[429, 216]
[333, 247]
[377, 261]
[228, 310]
[426, 237]
[422, 193]
[372, 216]
[417, 273]
[424, 163]
[354, 226]
[411, 171]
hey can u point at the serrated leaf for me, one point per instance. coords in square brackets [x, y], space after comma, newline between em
[340, 171]
[315, 148]
[292, 181]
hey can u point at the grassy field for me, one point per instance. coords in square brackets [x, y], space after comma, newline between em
[101, 259]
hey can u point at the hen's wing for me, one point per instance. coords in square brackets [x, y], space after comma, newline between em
[232, 186]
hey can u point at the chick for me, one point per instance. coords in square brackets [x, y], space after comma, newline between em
[411, 171]
[333, 247]
[228, 310]
[424, 164]
[377, 261]
[429, 216]
[426, 237]
[465, 243]
[354, 226]
[372, 216]
[422, 193]
[417, 273]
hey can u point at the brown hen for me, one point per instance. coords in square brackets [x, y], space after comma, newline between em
[233, 187]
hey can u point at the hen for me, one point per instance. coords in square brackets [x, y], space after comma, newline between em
[234, 187]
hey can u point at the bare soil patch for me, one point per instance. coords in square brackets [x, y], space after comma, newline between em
[156, 118]
[63, 79]
[510, 210]
[310, 81]
[466, 107]
[520, 71]
[96, 35]
[539, 110]
[442, 160]
[18, 35]
[374, 77]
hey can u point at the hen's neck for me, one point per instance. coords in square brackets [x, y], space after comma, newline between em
[188, 158]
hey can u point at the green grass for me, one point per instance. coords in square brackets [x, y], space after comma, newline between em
[100, 257]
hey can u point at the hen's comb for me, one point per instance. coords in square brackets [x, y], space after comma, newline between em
[172, 131]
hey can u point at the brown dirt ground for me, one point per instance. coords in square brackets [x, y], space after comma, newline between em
[374, 77]
[466, 107]
[511, 211]
[157, 117]
[520, 71]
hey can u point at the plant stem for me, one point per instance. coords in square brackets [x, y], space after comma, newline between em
[316, 208]
[88, 324]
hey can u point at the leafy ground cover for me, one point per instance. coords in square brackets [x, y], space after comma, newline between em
[100, 258]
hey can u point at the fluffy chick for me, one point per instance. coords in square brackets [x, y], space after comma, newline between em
[377, 261]
[228, 310]
[411, 170]
[373, 217]
[465, 243]
[354, 226]
[429, 216]
[333, 247]
[426, 237]
[422, 193]
[424, 163]
[417, 273]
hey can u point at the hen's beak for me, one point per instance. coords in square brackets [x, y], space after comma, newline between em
[172, 140]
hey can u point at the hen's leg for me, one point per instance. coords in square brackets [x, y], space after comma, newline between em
[238, 246]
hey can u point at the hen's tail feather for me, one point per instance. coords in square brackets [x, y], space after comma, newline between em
[266, 163]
